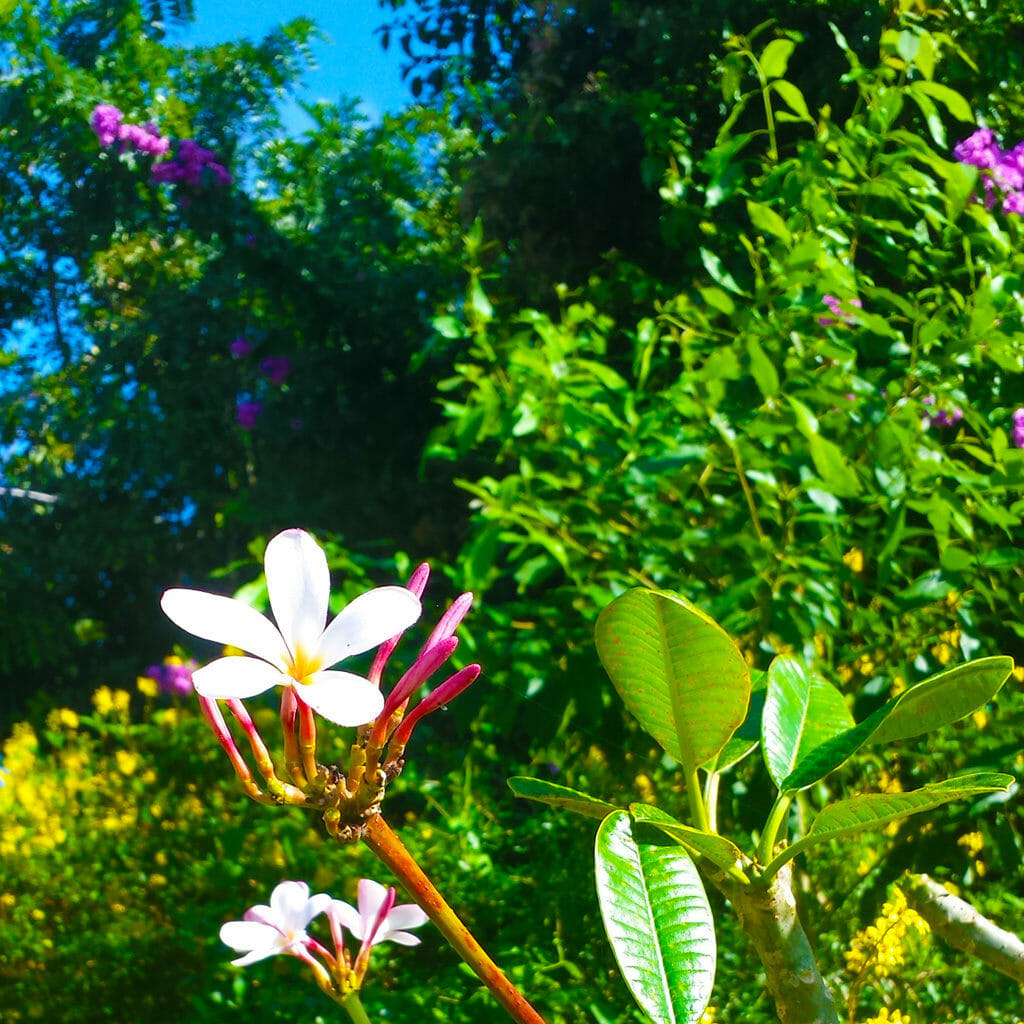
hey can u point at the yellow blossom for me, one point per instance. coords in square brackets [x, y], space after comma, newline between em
[885, 1017]
[980, 718]
[62, 718]
[1018, 673]
[854, 560]
[147, 686]
[8, 899]
[899, 684]
[121, 700]
[879, 948]
[709, 1016]
[127, 762]
[972, 842]
[103, 700]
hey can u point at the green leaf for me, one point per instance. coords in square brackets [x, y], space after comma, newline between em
[718, 299]
[677, 671]
[956, 104]
[875, 809]
[775, 56]
[934, 702]
[747, 737]
[762, 369]
[801, 713]
[715, 848]
[562, 797]
[793, 98]
[713, 265]
[658, 921]
[765, 219]
[942, 699]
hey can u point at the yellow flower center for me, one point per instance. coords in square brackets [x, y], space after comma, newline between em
[303, 665]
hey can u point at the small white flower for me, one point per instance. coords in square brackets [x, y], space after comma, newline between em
[366, 925]
[299, 650]
[277, 928]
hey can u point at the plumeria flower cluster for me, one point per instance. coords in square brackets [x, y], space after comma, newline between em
[185, 166]
[281, 927]
[839, 315]
[1002, 172]
[297, 654]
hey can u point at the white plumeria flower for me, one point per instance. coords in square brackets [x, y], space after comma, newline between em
[299, 650]
[278, 928]
[364, 923]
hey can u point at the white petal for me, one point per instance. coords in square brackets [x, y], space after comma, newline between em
[289, 900]
[317, 905]
[257, 940]
[371, 898]
[347, 916]
[367, 622]
[342, 697]
[299, 584]
[402, 938]
[236, 677]
[225, 621]
[261, 913]
[406, 915]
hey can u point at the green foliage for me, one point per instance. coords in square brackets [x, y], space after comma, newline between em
[785, 460]
[120, 299]
[658, 921]
[655, 644]
[127, 843]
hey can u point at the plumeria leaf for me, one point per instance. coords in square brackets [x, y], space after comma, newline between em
[876, 809]
[562, 797]
[801, 712]
[943, 699]
[747, 737]
[676, 670]
[657, 918]
[928, 705]
[715, 848]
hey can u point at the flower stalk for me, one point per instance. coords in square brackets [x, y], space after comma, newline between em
[390, 849]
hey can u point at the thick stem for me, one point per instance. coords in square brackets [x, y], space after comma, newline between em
[769, 918]
[956, 921]
[390, 849]
[354, 1008]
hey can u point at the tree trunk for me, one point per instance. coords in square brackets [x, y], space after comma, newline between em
[769, 918]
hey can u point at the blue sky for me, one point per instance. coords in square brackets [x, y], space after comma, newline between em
[349, 63]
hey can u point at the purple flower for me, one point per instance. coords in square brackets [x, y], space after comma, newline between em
[1018, 427]
[241, 347]
[947, 417]
[841, 316]
[276, 368]
[979, 149]
[1013, 202]
[247, 413]
[174, 676]
[106, 123]
[144, 139]
[188, 165]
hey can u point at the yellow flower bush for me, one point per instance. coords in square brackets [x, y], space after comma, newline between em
[880, 949]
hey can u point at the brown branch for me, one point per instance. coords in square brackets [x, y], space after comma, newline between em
[962, 927]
